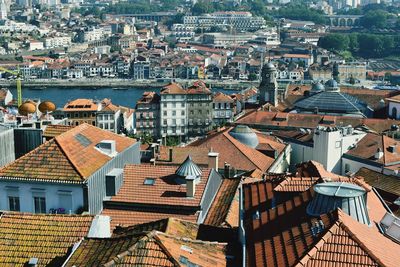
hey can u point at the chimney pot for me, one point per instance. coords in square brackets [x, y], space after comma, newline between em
[190, 185]
[213, 160]
[227, 170]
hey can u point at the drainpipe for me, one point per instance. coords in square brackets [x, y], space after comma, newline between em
[242, 234]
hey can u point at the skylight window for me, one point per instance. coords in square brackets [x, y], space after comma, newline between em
[149, 181]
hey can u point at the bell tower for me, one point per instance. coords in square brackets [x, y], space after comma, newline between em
[268, 91]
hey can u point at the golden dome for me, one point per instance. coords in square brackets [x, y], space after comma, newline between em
[47, 106]
[27, 108]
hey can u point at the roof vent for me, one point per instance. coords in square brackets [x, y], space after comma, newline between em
[188, 168]
[244, 135]
[107, 147]
[391, 226]
[348, 197]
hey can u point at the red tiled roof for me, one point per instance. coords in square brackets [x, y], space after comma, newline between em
[48, 237]
[223, 211]
[240, 156]
[173, 88]
[296, 184]
[165, 191]
[53, 130]
[81, 104]
[221, 97]
[69, 157]
[199, 155]
[281, 235]
[261, 118]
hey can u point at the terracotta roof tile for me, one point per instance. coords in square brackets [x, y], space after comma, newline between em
[221, 97]
[225, 209]
[53, 130]
[165, 191]
[47, 237]
[179, 154]
[263, 119]
[173, 88]
[296, 184]
[69, 157]
[81, 104]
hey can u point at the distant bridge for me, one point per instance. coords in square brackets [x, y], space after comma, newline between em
[344, 20]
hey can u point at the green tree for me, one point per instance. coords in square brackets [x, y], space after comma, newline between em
[202, 7]
[334, 42]
[252, 77]
[374, 19]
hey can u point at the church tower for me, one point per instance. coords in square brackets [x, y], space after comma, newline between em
[268, 91]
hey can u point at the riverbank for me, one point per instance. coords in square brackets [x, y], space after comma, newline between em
[119, 83]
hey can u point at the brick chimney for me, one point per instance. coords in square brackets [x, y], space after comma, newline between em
[190, 185]
[213, 160]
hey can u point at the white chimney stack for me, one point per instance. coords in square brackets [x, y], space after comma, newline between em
[213, 160]
[190, 185]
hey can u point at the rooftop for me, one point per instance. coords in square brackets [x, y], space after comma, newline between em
[174, 89]
[53, 130]
[81, 104]
[70, 157]
[47, 237]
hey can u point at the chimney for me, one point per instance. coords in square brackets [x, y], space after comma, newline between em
[190, 185]
[378, 154]
[213, 160]
[170, 154]
[227, 170]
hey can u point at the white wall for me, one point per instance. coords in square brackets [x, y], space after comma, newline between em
[52, 193]
[282, 163]
[390, 110]
[355, 166]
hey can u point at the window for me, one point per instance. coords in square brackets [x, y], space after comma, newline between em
[165, 113]
[346, 168]
[65, 201]
[149, 181]
[40, 204]
[165, 105]
[174, 105]
[14, 203]
[182, 104]
[338, 144]
[173, 121]
[183, 113]
[394, 113]
[165, 122]
[174, 113]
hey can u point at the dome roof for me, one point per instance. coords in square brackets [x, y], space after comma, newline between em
[244, 135]
[270, 66]
[348, 197]
[188, 168]
[27, 108]
[317, 87]
[47, 106]
[331, 84]
[332, 102]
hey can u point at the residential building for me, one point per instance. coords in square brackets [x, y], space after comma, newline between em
[71, 173]
[199, 109]
[316, 220]
[141, 68]
[80, 111]
[147, 114]
[185, 191]
[227, 39]
[223, 109]
[173, 111]
[325, 144]
[35, 45]
[109, 117]
[320, 73]
[58, 41]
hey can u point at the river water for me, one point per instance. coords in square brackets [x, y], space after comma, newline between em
[60, 96]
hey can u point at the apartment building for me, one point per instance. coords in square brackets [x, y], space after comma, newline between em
[173, 111]
[222, 108]
[355, 70]
[147, 114]
[199, 107]
[60, 41]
